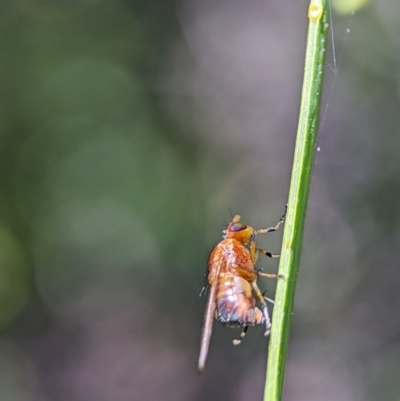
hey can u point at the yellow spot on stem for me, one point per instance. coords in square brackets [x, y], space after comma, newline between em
[315, 12]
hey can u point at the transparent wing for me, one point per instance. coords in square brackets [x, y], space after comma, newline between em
[208, 320]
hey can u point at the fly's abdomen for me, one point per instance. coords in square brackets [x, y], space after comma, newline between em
[235, 304]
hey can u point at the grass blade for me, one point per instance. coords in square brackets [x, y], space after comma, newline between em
[298, 197]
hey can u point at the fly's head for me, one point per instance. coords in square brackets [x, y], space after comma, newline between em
[246, 235]
[240, 231]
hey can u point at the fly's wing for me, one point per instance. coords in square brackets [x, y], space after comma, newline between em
[207, 328]
[215, 267]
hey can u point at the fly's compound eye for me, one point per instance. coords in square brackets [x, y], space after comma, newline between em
[235, 227]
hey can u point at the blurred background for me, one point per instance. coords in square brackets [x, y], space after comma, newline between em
[130, 130]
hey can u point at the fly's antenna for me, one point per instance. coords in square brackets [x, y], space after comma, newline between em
[236, 219]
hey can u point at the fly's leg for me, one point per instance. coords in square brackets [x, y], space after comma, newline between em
[238, 340]
[272, 229]
[269, 254]
[271, 275]
[271, 301]
[264, 308]
[261, 298]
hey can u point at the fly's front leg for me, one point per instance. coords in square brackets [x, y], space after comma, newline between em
[264, 308]
[272, 229]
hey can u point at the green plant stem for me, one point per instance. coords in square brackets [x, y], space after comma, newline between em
[298, 196]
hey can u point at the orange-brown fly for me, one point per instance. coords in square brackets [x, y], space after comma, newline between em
[232, 280]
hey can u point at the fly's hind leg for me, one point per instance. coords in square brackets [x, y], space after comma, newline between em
[264, 308]
[238, 340]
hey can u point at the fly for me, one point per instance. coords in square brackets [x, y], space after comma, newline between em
[232, 281]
